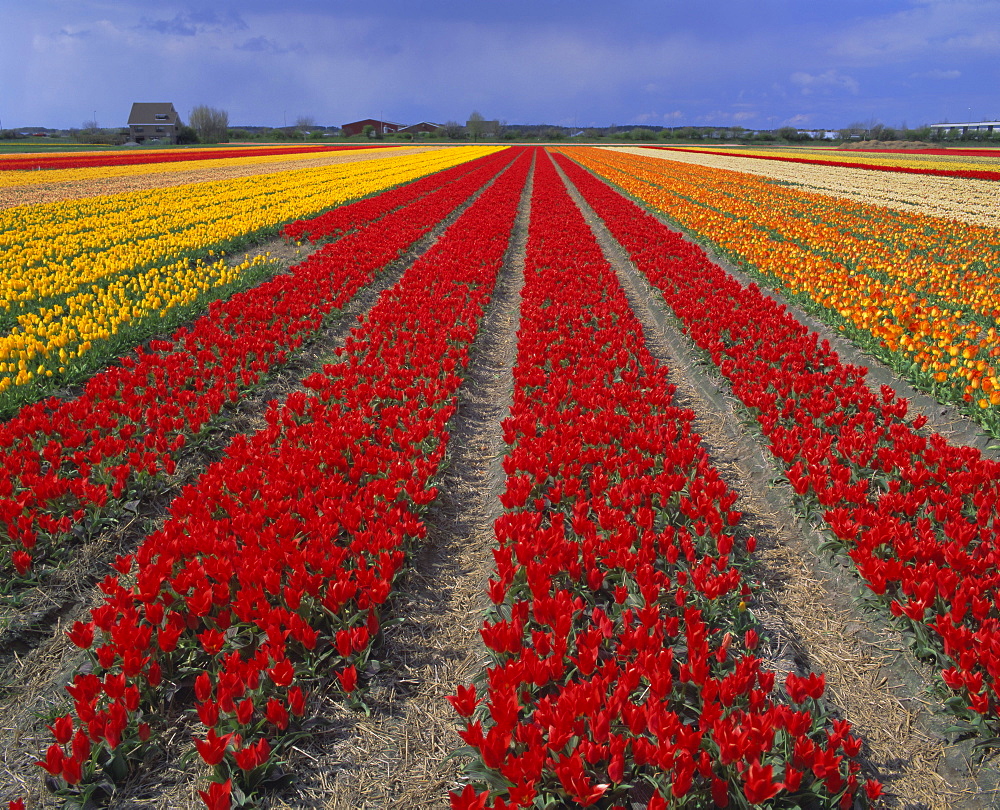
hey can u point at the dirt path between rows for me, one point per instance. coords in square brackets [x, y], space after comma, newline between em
[807, 606]
[36, 658]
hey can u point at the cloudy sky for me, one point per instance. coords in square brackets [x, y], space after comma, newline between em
[756, 63]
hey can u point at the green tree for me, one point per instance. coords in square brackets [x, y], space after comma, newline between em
[186, 135]
[475, 126]
[305, 124]
[451, 130]
[211, 124]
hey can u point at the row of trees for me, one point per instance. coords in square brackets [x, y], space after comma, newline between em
[211, 125]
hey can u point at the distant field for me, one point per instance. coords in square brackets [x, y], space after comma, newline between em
[41, 145]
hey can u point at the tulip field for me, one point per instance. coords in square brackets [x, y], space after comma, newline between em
[246, 429]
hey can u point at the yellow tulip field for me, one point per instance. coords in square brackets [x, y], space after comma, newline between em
[74, 273]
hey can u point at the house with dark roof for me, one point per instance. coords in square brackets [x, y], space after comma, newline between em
[153, 121]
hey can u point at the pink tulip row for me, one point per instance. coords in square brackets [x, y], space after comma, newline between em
[846, 163]
[64, 463]
[622, 650]
[918, 516]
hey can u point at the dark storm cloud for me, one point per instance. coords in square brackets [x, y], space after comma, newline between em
[585, 63]
[191, 23]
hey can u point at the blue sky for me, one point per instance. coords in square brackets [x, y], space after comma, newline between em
[760, 64]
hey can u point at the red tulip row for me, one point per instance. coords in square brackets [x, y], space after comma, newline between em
[623, 668]
[82, 161]
[918, 516]
[62, 462]
[268, 576]
[973, 174]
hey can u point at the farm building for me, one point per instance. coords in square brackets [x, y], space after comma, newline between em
[150, 121]
[380, 127]
[423, 126]
[965, 128]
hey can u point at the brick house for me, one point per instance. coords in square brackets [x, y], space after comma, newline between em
[423, 126]
[380, 127]
[150, 121]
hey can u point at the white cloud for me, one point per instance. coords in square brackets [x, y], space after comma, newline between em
[937, 74]
[928, 30]
[987, 41]
[826, 82]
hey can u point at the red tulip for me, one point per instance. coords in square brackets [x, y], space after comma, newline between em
[213, 748]
[218, 796]
[760, 785]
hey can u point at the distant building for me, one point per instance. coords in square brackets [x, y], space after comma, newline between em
[971, 126]
[423, 126]
[820, 134]
[153, 121]
[379, 127]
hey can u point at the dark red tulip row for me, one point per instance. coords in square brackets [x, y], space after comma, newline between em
[918, 516]
[622, 648]
[268, 576]
[64, 463]
[84, 160]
